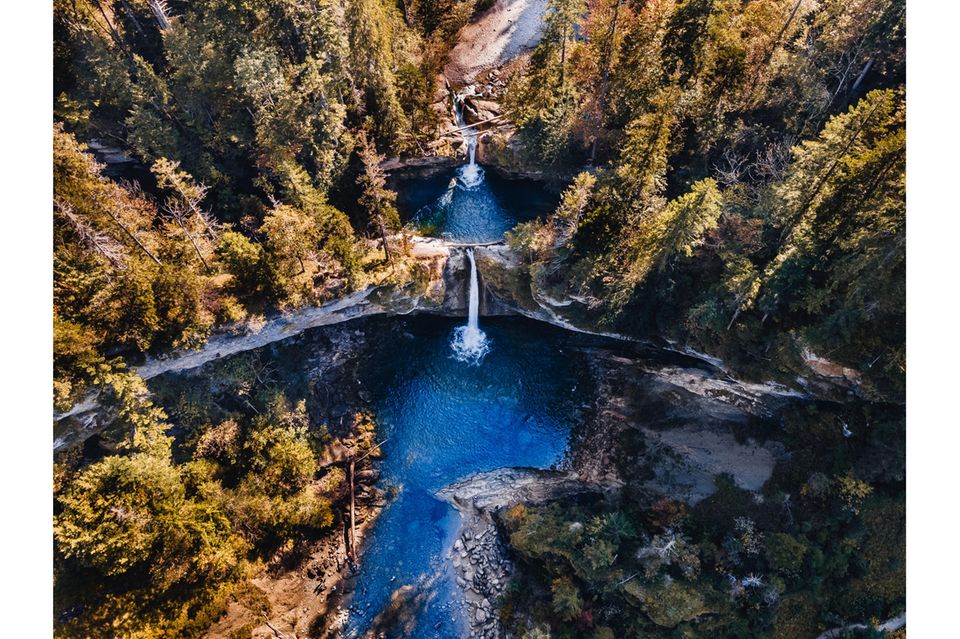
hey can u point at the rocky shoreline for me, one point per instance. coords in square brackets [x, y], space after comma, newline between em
[479, 555]
[483, 570]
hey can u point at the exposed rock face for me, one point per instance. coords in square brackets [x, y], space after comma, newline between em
[487, 492]
[672, 427]
[332, 401]
[478, 110]
[423, 166]
[115, 159]
[456, 280]
[508, 288]
[831, 370]
[501, 149]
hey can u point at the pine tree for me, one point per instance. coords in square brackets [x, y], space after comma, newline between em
[377, 199]
[660, 239]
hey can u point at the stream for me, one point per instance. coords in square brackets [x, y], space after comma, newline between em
[450, 403]
[468, 203]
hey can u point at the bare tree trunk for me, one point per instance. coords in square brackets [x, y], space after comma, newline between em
[193, 242]
[159, 8]
[353, 511]
[194, 205]
[471, 126]
[783, 29]
[733, 319]
[563, 54]
[132, 236]
[773, 49]
[113, 31]
[406, 13]
[863, 74]
[386, 247]
[273, 628]
[132, 16]
[607, 58]
[206, 226]
[90, 236]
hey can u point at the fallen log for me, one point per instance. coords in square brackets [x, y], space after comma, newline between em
[470, 126]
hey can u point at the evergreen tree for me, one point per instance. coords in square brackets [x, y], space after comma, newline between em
[842, 213]
[376, 198]
[290, 234]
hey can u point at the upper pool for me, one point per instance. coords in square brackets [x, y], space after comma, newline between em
[470, 204]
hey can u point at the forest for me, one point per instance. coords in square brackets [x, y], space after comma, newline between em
[731, 178]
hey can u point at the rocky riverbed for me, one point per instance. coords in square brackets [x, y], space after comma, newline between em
[506, 30]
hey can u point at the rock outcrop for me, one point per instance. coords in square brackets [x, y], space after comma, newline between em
[479, 555]
[501, 33]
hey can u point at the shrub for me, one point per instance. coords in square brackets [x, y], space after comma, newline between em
[785, 554]
[566, 598]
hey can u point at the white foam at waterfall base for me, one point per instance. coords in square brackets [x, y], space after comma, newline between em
[470, 176]
[469, 343]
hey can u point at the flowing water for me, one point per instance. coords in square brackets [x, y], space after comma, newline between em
[470, 175]
[441, 205]
[450, 400]
[453, 408]
[469, 343]
[443, 419]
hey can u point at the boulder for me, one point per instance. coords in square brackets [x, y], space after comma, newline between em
[481, 110]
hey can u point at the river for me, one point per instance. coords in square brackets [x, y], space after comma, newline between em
[453, 399]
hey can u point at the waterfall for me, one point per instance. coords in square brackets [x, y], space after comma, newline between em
[469, 342]
[471, 175]
[473, 318]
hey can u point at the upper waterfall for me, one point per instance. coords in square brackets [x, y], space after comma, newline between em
[470, 175]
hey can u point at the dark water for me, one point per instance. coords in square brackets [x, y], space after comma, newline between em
[445, 420]
[446, 205]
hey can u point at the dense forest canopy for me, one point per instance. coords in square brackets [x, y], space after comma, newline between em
[734, 178]
[749, 180]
